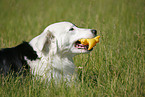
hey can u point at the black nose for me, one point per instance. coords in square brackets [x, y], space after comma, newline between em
[94, 32]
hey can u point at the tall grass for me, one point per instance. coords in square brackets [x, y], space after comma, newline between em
[116, 66]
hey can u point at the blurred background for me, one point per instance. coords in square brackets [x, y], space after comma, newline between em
[115, 67]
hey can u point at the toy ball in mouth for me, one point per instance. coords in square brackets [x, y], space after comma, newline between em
[90, 42]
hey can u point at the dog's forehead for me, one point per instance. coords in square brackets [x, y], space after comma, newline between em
[61, 25]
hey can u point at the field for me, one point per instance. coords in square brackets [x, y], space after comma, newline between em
[115, 68]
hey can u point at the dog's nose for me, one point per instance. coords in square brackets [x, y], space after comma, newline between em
[94, 31]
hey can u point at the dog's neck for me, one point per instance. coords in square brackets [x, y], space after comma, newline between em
[63, 63]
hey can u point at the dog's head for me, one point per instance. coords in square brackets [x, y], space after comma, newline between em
[63, 38]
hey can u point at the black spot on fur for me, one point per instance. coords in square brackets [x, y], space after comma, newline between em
[12, 59]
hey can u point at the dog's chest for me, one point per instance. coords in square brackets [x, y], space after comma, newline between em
[56, 66]
[64, 64]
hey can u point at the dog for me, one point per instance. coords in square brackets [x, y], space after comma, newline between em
[50, 54]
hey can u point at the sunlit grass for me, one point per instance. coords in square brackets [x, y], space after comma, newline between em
[116, 66]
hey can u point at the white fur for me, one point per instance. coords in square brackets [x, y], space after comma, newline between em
[55, 48]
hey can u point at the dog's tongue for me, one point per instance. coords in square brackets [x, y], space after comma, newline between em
[90, 42]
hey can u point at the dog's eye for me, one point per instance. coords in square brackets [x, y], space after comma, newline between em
[71, 29]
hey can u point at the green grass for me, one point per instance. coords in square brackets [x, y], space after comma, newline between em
[116, 67]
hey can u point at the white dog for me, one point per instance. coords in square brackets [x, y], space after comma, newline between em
[55, 47]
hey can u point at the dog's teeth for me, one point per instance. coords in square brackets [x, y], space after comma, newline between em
[80, 46]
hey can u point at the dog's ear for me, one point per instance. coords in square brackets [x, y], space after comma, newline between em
[44, 40]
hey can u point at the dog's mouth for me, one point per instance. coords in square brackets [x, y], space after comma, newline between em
[78, 45]
[87, 44]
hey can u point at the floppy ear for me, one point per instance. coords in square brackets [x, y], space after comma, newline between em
[44, 40]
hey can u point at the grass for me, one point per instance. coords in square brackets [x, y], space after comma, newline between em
[116, 67]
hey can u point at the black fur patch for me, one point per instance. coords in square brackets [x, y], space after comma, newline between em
[12, 59]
